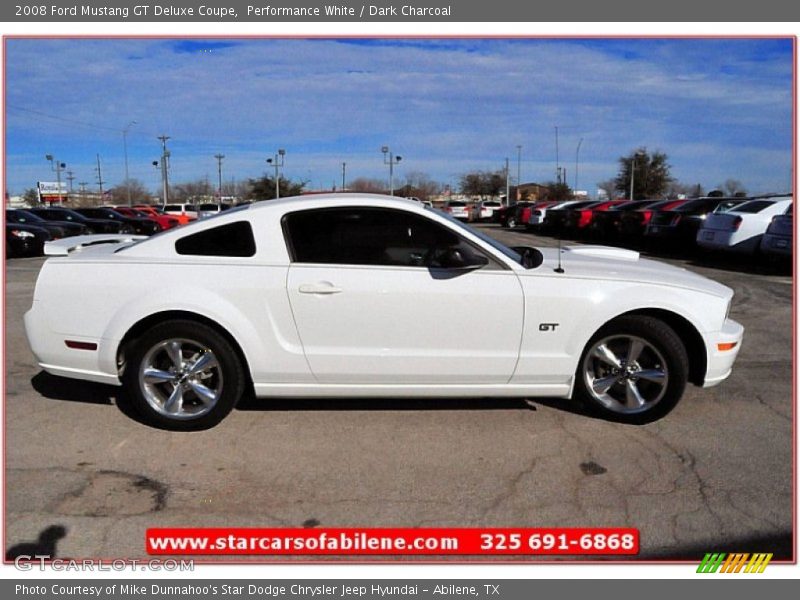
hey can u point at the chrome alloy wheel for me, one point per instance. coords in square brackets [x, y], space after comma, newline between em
[180, 378]
[625, 374]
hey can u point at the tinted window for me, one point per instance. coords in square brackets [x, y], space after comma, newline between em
[454, 203]
[174, 207]
[754, 206]
[233, 239]
[368, 236]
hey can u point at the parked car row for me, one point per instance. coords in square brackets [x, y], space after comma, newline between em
[28, 229]
[744, 225]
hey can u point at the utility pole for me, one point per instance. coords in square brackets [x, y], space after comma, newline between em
[125, 148]
[577, 154]
[344, 172]
[164, 167]
[519, 168]
[633, 168]
[219, 158]
[100, 181]
[70, 178]
[508, 189]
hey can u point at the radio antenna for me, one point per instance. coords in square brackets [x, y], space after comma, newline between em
[558, 269]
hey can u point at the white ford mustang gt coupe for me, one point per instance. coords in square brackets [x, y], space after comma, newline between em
[363, 295]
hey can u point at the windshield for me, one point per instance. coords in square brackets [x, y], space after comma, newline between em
[505, 250]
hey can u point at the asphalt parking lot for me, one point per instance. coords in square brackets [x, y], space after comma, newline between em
[84, 479]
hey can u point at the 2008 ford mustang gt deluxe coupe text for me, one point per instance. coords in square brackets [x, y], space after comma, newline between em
[362, 295]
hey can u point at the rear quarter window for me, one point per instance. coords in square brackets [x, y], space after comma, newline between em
[233, 239]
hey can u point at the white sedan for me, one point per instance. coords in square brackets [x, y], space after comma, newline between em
[361, 295]
[741, 228]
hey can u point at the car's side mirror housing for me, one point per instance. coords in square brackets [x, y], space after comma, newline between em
[531, 257]
[456, 259]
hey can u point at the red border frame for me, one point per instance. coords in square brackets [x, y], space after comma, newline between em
[490, 561]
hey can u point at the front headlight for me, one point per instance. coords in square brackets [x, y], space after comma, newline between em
[22, 234]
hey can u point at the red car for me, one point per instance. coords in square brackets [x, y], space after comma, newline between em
[634, 223]
[166, 221]
[580, 220]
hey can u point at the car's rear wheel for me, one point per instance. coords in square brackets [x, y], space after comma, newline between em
[633, 370]
[183, 375]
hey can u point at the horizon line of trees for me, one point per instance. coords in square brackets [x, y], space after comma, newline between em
[648, 172]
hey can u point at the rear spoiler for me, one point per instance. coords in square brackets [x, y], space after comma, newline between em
[67, 245]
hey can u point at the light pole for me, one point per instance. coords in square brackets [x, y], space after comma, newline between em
[219, 158]
[164, 166]
[577, 154]
[344, 175]
[57, 167]
[125, 147]
[277, 162]
[392, 161]
[633, 170]
[519, 168]
[508, 187]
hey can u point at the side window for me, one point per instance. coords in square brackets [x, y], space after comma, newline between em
[233, 239]
[368, 236]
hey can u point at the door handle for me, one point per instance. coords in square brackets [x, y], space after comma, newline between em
[319, 288]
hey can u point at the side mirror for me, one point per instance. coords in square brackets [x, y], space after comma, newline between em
[531, 257]
[456, 259]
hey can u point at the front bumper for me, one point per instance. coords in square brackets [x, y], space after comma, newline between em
[720, 361]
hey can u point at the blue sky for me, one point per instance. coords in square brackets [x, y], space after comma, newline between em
[719, 108]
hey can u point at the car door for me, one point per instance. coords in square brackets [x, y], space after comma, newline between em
[373, 303]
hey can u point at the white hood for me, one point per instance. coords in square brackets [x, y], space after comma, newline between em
[602, 262]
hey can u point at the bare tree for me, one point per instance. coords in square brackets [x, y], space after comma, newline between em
[365, 185]
[609, 186]
[119, 193]
[732, 187]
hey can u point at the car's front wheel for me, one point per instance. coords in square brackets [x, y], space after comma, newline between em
[183, 375]
[633, 370]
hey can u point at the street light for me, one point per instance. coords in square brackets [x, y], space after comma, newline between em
[125, 147]
[519, 169]
[277, 161]
[633, 169]
[57, 167]
[577, 154]
[390, 159]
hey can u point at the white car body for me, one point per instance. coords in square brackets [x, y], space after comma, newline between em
[316, 330]
[741, 228]
[458, 210]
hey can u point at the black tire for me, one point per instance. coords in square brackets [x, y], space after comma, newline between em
[661, 352]
[225, 378]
